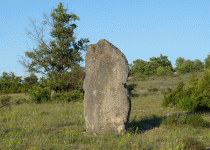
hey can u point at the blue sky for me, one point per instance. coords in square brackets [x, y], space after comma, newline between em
[141, 29]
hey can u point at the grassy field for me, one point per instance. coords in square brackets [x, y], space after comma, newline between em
[56, 126]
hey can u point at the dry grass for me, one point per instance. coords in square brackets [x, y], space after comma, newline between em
[60, 125]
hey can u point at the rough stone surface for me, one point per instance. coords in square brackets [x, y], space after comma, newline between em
[107, 103]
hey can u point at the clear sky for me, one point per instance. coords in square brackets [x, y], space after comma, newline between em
[141, 29]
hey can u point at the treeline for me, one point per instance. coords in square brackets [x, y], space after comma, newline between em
[9, 83]
[72, 83]
[158, 66]
[161, 66]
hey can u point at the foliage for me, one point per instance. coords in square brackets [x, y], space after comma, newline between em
[150, 69]
[57, 57]
[141, 68]
[207, 62]
[5, 100]
[186, 66]
[195, 97]
[39, 94]
[197, 65]
[162, 61]
[75, 96]
[59, 97]
[140, 76]
[70, 81]
[29, 81]
[10, 83]
[32, 79]
[163, 71]
[138, 66]
[20, 101]
[72, 96]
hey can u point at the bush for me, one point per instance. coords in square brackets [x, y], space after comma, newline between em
[72, 96]
[187, 66]
[191, 98]
[152, 89]
[59, 97]
[75, 96]
[20, 101]
[39, 94]
[163, 71]
[149, 69]
[139, 76]
[5, 100]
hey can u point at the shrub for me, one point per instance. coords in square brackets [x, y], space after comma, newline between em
[153, 90]
[197, 95]
[39, 94]
[69, 81]
[139, 76]
[163, 71]
[58, 97]
[138, 66]
[75, 96]
[72, 96]
[20, 101]
[174, 96]
[5, 100]
[189, 103]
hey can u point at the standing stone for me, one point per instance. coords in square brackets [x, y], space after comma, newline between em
[107, 104]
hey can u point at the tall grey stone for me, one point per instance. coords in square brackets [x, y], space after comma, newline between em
[107, 104]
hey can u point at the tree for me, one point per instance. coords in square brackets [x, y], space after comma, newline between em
[179, 62]
[10, 83]
[57, 57]
[186, 66]
[197, 65]
[162, 61]
[32, 79]
[207, 61]
[138, 66]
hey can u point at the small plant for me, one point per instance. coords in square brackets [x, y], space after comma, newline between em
[20, 101]
[190, 144]
[153, 90]
[5, 100]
